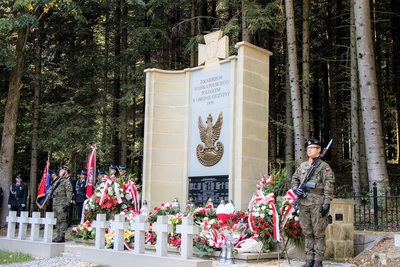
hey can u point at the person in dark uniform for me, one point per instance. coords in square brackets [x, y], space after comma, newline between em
[122, 172]
[80, 194]
[18, 195]
[113, 171]
[100, 175]
[53, 176]
[71, 204]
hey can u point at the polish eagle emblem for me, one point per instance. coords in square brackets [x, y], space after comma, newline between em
[211, 152]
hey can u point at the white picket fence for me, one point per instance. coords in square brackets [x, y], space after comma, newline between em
[187, 230]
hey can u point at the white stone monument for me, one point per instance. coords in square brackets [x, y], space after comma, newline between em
[119, 225]
[35, 245]
[187, 230]
[206, 128]
[100, 224]
[140, 226]
[35, 221]
[162, 228]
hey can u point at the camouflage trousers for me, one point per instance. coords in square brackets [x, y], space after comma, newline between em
[313, 226]
[62, 220]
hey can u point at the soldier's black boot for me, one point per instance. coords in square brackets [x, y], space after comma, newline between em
[318, 263]
[309, 263]
[59, 240]
[54, 239]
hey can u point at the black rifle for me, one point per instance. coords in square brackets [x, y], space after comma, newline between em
[310, 173]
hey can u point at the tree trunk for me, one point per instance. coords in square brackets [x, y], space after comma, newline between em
[116, 86]
[355, 135]
[395, 33]
[375, 151]
[245, 32]
[10, 119]
[294, 83]
[124, 79]
[35, 124]
[306, 68]
[104, 108]
[193, 32]
[289, 129]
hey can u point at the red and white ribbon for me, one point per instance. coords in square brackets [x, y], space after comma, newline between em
[109, 181]
[128, 247]
[131, 189]
[290, 197]
[270, 199]
[217, 238]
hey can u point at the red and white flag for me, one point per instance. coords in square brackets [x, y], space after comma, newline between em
[43, 186]
[91, 171]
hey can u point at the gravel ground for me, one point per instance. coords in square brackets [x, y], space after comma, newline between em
[72, 260]
[65, 260]
[384, 253]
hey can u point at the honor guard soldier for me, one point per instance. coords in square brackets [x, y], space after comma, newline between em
[80, 194]
[122, 172]
[72, 180]
[314, 201]
[113, 171]
[61, 193]
[18, 195]
[100, 175]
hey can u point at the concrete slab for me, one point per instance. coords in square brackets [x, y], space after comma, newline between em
[257, 256]
[114, 258]
[36, 249]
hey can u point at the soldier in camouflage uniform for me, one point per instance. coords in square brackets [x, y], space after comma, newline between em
[314, 203]
[61, 194]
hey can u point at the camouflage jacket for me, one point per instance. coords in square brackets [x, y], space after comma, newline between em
[324, 180]
[61, 192]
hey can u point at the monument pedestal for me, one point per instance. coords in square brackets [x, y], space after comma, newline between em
[34, 248]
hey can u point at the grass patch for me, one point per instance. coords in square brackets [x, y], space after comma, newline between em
[7, 257]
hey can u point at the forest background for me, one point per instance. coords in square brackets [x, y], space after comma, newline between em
[72, 74]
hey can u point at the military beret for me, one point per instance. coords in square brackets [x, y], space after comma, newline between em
[113, 167]
[18, 176]
[65, 168]
[83, 172]
[312, 141]
[100, 172]
[122, 168]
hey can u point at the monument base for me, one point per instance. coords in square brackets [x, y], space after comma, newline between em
[34, 248]
[113, 258]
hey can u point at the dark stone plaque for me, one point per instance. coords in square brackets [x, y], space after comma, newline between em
[201, 188]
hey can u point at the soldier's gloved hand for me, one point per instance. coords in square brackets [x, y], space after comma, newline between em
[324, 209]
[9, 206]
[23, 205]
[300, 193]
[65, 207]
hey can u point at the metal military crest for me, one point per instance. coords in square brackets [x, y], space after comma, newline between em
[211, 152]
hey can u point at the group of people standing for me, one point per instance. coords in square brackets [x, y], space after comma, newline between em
[65, 193]
[314, 199]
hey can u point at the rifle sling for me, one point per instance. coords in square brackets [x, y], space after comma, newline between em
[55, 187]
[310, 172]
